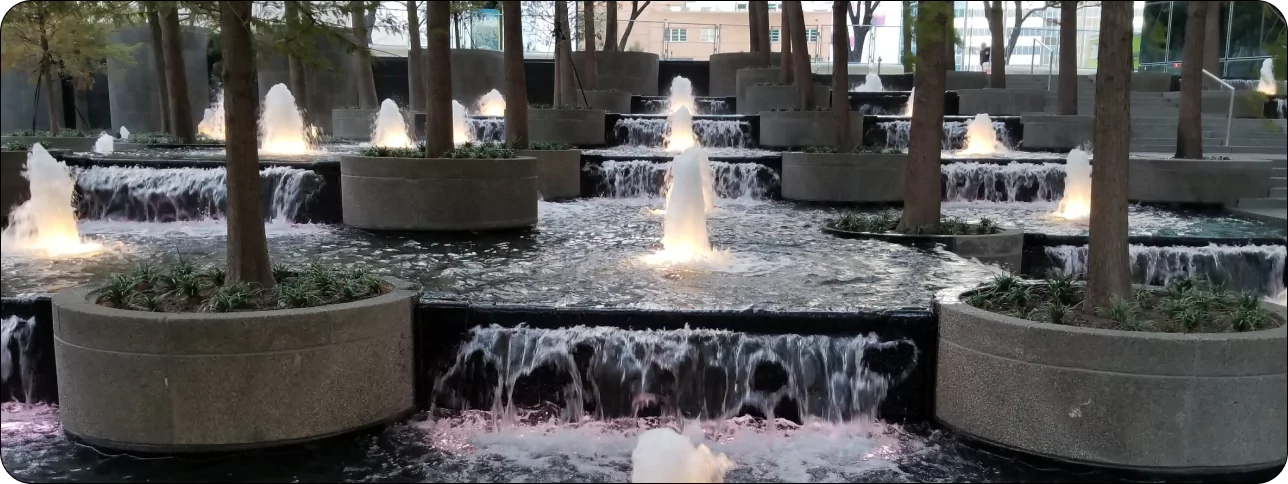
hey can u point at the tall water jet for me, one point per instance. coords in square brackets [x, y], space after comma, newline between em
[281, 126]
[872, 83]
[681, 96]
[662, 455]
[492, 104]
[104, 144]
[125, 134]
[907, 108]
[981, 139]
[390, 130]
[1076, 202]
[212, 120]
[45, 224]
[1267, 84]
[681, 136]
[460, 125]
[684, 229]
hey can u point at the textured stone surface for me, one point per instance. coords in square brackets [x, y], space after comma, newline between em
[17, 93]
[578, 127]
[558, 172]
[723, 70]
[132, 86]
[1055, 132]
[832, 177]
[1005, 249]
[751, 76]
[632, 72]
[14, 188]
[1129, 399]
[1197, 181]
[956, 80]
[1000, 102]
[760, 98]
[438, 194]
[475, 72]
[609, 101]
[353, 124]
[795, 129]
[204, 382]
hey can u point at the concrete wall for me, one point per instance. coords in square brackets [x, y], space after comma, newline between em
[558, 173]
[1197, 181]
[198, 382]
[795, 129]
[724, 68]
[577, 127]
[751, 76]
[757, 99]
[609, 101]
[957, 80]
[331, 87]
[17, 93]
[843, 177]
[1000, 102]
[633, 72]
[14, 188]
[1157, 401]
[133, 93]
[438, 195]
[1055, 132]
[475, 72]
[1151, 82]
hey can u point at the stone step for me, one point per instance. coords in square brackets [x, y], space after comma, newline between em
[1262, 203]
[1279, 192]
[1278, 182]
[1210, 150]
[1208, 141]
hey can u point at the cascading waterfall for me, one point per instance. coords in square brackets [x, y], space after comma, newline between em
[486, 130]
[1255, 268]
[1012, 182]
[390, 129]
[212, 121]
[681, 96]
[491, 104]
[608, 373]
[281, 126]
[646, 179]
[186, 194]
[16, 365]
[105, 144]
[1075, 204]
[1267, 85]
[711, 133]
[45, 224]
[898, 134]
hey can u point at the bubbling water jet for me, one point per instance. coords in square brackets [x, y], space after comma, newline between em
[45, 224]
[460, 125]
[662, 455]
[492, 104]
[872, 83]
[212, 121]
[681, 96]
[907, 108]
[1267, 84]
[125, 134]
[281, 126]
[390, 130]
[1076, 202]
[104, 144]
[981, 139]
[684, 229]
[681, 136]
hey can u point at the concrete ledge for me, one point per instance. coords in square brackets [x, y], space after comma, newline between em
[1197, 181]
[1005, 248]
[577, 127]
[14, 188]
[957, 80]
[558, 172]
[195, 382]
[610, 101]
[1055, 132]
[629, 72]
[760, 98]
[1145, 401]
[438, 194]
[843, 177]
[353, 124]
[1000, 102]
[55, 143]
[723, 70]
[1151, 82]
[1247, 104]
[751, 76]
[475, 72]
[795, 129]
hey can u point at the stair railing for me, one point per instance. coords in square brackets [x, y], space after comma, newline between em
[1033, 53]
[1229, 116]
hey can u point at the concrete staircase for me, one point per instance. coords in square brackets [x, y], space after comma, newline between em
[1275, 204]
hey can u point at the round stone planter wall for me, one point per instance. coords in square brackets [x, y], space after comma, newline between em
[630, 72]
[796, 129]
[558, 172]
[438, 194]
[55, 142]
[769, 97]
[1146, 401]
[1197, 181]
[1005, 248]
[577, 127]
[751, 76]
[475, 72]
[198, 382]
[14, 188]
[609, 101]
[844, 177]
[723, 69]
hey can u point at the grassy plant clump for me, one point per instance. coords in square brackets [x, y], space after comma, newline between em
[1189, 305]
[550, 146]
[62, 133]
[184, 287]
[487, 151]
[886, 222]
[16, 146]
[384, 152]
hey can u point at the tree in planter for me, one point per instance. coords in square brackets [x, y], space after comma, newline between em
[438, 107]
[840, 80]
[997, 77]
[1068, 58]
[753, 28]
[158, 58]
[922, 193]
[801, 73]
[860, 25]
[516, 90]
[1189, 128]
[763, 45]
[565, 77]
[1108, 268]
[295, 65]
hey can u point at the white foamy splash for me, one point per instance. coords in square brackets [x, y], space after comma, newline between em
[212, 120]
[681, 96]
[491, 104]
[105, 144]
[460, 127]
[125, 134]
[662, 455]
[689, 197]
[1267, 85]
[45, 224]
[981, 137]
[898, 134]
[907, 109]
[281, 126]
[16, 332]
[390, 129]
[1256, 268]
[1075, 204]
[872, 83]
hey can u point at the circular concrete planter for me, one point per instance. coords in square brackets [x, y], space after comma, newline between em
[723, 70]
[438, 194]
[55, 142]
[577, 127]
[197, 382]
[631, 72]
[798, 129]
[558, 172]
[751, 76]
[1005, 248]
[1205, 403]
[609, 101]
[844, 177]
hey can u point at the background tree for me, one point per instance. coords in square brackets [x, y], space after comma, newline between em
[801, 73]
[590, 78]
[906, 57]
[1068, 58]
[785, 57]
[753, 28]
[922, 193]
[438, 108]
[565, 79]
[176, 76]
[1189, 128]
[516, 86]
[247, 246]
[637, 8]
[158, 58]
[416, 56]
[362, 56]
[1021, 15]
[997, 76]
[610, 25]
[762, 24]
[861, 25]
[1108, 267]
[295, 65]
[840, 80]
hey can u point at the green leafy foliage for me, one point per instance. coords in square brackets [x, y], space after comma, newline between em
[486, 151]
[69, 37]
[550, 146]
[885, 222]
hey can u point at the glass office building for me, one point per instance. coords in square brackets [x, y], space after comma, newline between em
[1247, 29]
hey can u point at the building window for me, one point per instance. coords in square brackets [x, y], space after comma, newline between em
[677, 35]
[740, 7]
[708, 35]
[773, 6]
[773, 34]
[811, 35]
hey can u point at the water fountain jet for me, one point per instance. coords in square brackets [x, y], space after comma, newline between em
[281, 126]
[681, 96]
[105, 144]
[681, 136]
[492, 104]
[390, 130]
[125, 134]
[460, 125]
[1267, 84]
[212, 120]
[684, 229]
[981, 139]
[662, 455]
[872, 83]
[1076, 202]
[45, 224]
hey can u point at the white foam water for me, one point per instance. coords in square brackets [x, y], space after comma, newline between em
[871, 83]
[486, 130]
[689, 197]
[390, 128]
[125, 134]
[711, 133]
[282, 129]
[663, 455]
[185, 194]
[1267, 84]
[1075, 202]
[491, 104]
[105, 144]
[1012, 182]
[647, 179]
[460, 127]
[681, 96]
[212, 120]
[1256, 268]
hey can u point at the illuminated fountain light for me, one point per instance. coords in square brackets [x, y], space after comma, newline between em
[460, 125]
[492, 104]
[1267, 84]
[45, 224]
[212, 121]
[981, 138]
[390, 130]
[684, 229]
[1076, 202]
[662, 455]
[281, 126]
[681, 136]
[104, 144]
[907, 108]
[125, 134]
[872, 83]
[681, 96]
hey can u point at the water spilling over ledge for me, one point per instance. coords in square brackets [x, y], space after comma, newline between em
[1012, 182]
[710, 133]
[647, 179]
[185, 194]
[1255, 268]
[896, 134]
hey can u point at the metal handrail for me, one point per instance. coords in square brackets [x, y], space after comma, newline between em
[1036, 43]
[1229, 117]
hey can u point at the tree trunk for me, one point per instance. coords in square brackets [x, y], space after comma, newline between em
[997, 78]
[516, 85]
[590, 78]
[415, 59]
[247, 246]
[801, 72]
[753, 28]
[1189, 134]
[1015, 32]
[158, 57]
[840, 80]
[1068, 57]
[610, 26]
[860, 38]
[298, 77]
[1108, 268]
[456, 29]
[362, 57]
[785, 56]
[766, 47]
[567, 77]
[80, 105]
[177, 78]
[1212, 44]
[922, 192]
[950, 46]
[438, 106]
[906, 56]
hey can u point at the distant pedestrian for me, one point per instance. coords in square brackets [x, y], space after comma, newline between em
[985, 55]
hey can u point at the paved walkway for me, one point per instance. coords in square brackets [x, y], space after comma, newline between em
[1267, 214]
